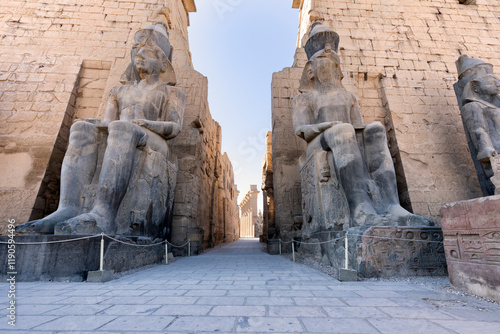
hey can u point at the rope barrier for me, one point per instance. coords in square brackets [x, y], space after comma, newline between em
[97, 236]
[136, 245]
[53, 242]
[310, 243]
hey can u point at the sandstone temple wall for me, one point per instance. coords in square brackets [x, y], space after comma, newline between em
[269, 227]
[398, 58]
[58, 60]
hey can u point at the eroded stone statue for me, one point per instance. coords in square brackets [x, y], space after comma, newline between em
[141, 116]
[479, 96]
[353, 154]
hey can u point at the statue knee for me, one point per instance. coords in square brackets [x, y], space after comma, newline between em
[342, 134]
[125, 131]
[122, 126]
[83, 127]
[374, 132]
[82, 132]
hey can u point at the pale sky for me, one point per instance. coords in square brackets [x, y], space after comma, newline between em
[238, 44]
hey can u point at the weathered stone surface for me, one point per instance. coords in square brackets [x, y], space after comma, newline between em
[97, 178]
[269, 228]
[71, 261]
[472, 243]
[381, 251]
[401, 252]
[478, 98]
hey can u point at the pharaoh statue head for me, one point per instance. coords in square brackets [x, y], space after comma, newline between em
[470, 72]
[151, 53]
[323, 64]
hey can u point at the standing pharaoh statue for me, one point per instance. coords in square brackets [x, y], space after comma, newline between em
[351, 156]
[123, 184]
[478, 95]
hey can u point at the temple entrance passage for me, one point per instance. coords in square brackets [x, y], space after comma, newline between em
[242, 246]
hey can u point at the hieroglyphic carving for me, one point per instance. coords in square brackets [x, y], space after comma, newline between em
[472, 243]
[402, 251]
[316, 191]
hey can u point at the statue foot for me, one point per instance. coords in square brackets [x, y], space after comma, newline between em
[406, 218]
[33, 227]
[45, 225]
[365, 215]
[87, 223]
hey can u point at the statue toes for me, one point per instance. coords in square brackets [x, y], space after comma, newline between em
[78, 225]
[31, 227]
[63, 228]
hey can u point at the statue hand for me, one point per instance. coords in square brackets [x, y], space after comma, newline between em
[326, 125]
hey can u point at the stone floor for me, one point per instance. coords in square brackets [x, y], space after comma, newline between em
[239, 288]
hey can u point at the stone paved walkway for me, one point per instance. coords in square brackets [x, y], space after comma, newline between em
[239, 288]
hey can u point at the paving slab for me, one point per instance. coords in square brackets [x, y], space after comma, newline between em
[239, 288]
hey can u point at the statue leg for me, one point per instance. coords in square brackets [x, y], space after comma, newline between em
[381, 170]
[342, 141]
[123, 140]
[476, 125]
[77, 171]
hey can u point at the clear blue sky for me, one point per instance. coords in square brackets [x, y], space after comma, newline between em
[238, 44]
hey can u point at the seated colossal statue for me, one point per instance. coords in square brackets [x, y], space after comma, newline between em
[479, 97]
[355, 155]
[117, 175]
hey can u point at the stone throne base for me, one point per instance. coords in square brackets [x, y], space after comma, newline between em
[377, 251]
[472, 243]
[71, 261]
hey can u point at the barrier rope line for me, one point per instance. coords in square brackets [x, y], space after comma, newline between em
[311, 243]
[53, 242]
[97, 236]
[357, 235]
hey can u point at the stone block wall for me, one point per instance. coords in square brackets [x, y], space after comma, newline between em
[398, 58]
[58, 61]
[269, 227]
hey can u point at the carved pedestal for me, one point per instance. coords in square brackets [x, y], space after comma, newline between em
[400, 252]
[472, 243]
[382, 251]
[72, 261]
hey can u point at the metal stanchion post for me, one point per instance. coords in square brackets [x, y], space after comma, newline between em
[346, 250]
[280, 246]
[189, 247]
[101, 266]
[293, 251]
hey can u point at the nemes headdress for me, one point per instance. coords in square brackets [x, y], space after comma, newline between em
[469, 69]
[321, 38]
[159, 36]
